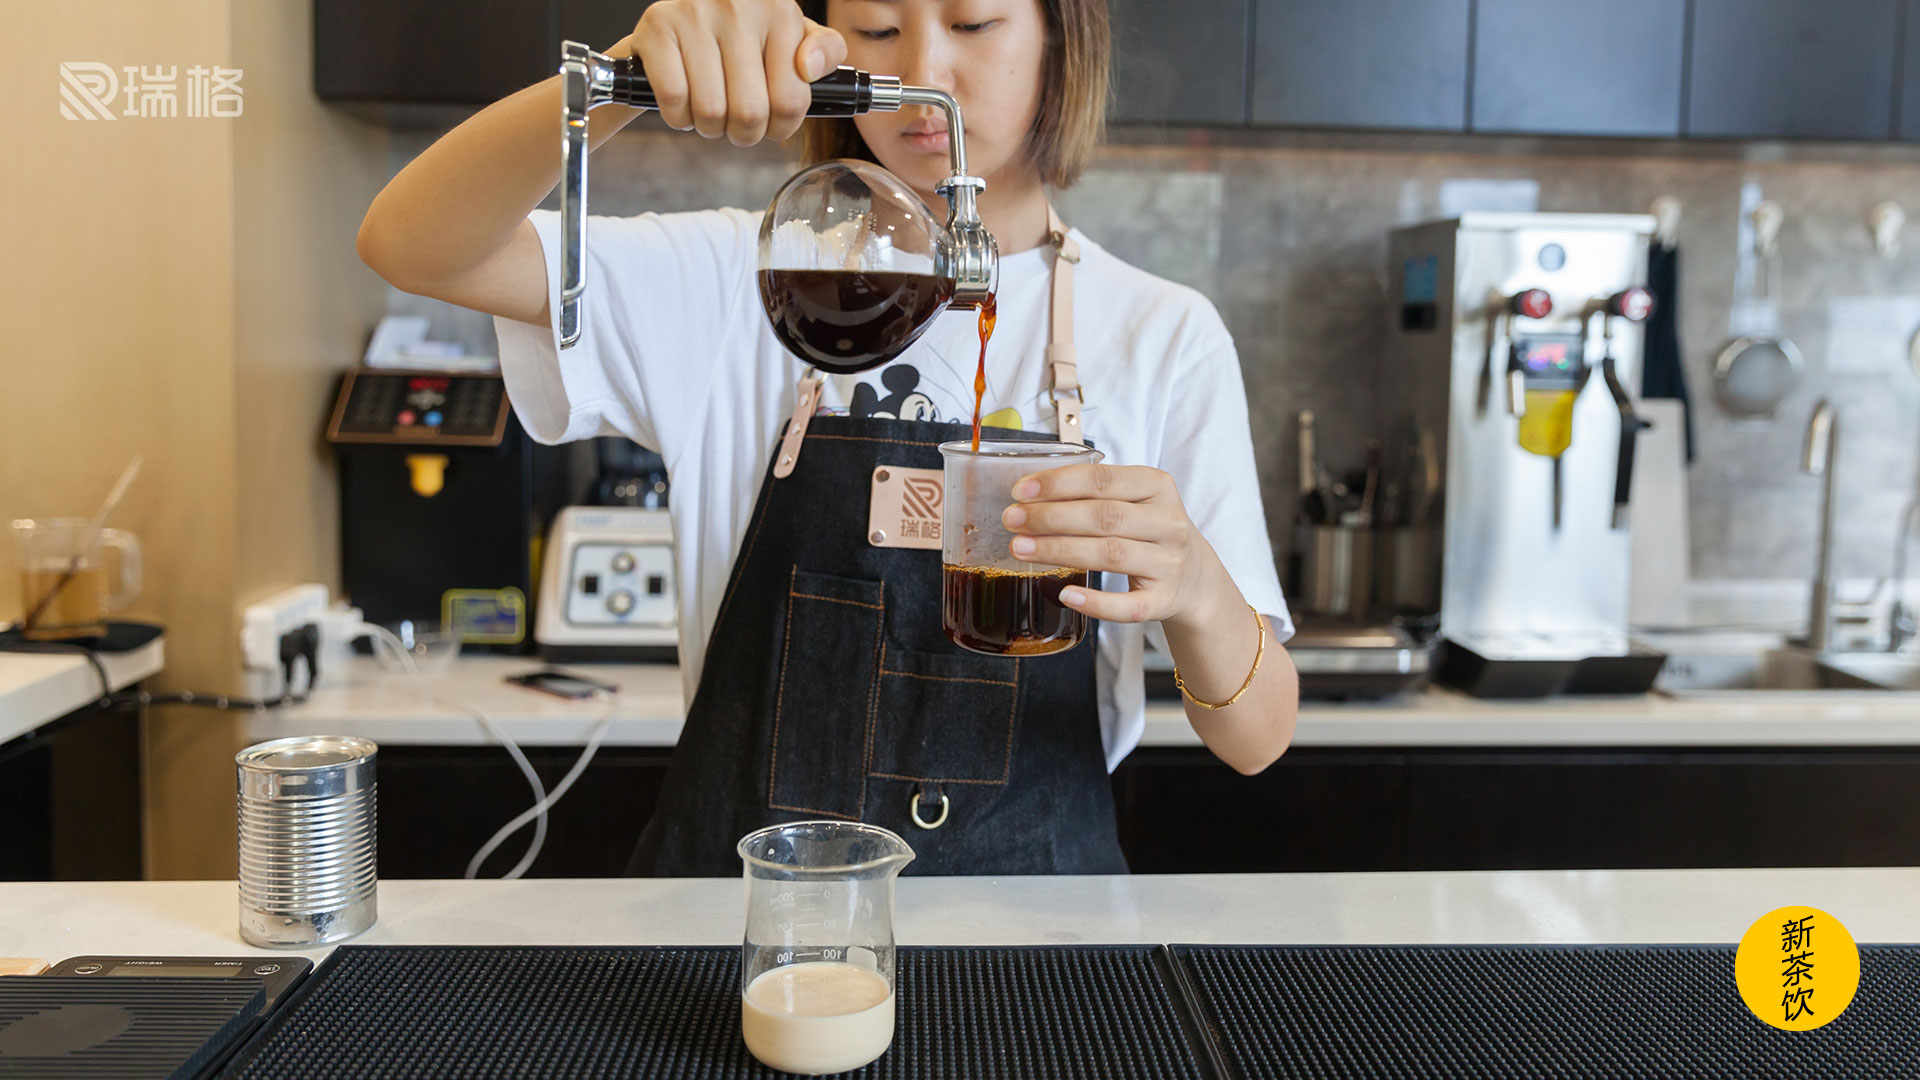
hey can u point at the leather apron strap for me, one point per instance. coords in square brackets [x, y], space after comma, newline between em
[1061, 360]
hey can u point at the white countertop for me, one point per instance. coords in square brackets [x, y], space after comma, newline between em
[39, 687]
[387, 708]
[53, 921]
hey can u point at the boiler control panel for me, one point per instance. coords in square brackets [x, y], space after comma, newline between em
[445, 408]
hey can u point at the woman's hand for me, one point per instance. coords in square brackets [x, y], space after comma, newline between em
[738, 68]
[1118, 519]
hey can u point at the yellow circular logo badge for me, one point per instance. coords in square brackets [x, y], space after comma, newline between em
[1797, 968]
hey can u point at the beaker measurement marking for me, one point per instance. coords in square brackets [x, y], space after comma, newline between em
[787, 897]
[827, 952]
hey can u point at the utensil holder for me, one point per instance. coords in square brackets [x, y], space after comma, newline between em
[1333, 569]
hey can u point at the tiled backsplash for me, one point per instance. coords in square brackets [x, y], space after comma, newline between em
[1288, 239]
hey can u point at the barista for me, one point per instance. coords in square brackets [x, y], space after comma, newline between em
[820, 682]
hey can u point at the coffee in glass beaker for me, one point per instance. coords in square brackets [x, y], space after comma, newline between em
[993, 602]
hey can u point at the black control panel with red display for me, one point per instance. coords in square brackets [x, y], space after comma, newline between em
[420, 407]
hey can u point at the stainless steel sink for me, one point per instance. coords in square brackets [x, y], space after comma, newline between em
[1787, 669]
[1874, 671]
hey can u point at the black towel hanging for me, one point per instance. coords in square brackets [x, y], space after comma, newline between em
[1663, 374]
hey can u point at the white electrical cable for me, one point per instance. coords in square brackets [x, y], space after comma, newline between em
[542, 801]
[538, 811]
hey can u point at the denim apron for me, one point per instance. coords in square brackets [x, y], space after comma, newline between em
[831, 691]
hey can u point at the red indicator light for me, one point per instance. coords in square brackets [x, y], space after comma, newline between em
[1533, 303]
[1634, 304]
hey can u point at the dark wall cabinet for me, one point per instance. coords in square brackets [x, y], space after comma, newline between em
[1573, 67]
[1181, 63]
[598, 23]
[1748, 69]
[461, 52]
[1360, 63]
[1789, 68]
[1910, 73]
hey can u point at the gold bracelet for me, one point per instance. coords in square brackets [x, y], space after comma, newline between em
[1261, 621]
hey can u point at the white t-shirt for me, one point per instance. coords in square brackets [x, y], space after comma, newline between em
[676, 354]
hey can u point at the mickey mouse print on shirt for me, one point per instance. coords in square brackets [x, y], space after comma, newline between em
[904, 401]
[907, 399]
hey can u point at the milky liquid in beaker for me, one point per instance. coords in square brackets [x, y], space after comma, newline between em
[817, 1017]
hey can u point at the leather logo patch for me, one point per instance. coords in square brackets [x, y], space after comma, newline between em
[903, 510]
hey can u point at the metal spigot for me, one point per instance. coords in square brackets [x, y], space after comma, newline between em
[589, 80]
[1823, 444]
[1634, 305]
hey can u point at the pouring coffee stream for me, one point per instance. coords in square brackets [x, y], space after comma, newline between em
[988, 316]
[880, 290]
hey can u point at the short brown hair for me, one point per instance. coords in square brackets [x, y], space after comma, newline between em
[1073, 96]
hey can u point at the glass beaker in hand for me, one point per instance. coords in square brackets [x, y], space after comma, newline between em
[995, 603]
[817, 965]
[65, 589]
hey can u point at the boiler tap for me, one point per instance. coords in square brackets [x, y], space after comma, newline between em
[1633, 305]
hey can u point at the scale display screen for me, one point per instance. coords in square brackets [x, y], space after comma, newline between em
[280, 973]
[175, 970]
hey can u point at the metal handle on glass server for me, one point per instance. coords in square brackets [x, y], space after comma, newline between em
[589, 79]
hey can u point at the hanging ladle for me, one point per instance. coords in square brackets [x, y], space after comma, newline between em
[1758, 367]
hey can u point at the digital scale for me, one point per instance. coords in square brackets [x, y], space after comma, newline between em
[171, 1016]
[280, 973]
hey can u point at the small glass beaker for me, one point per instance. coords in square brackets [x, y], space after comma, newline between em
[817, 963]
[65, 591]
[995, 603]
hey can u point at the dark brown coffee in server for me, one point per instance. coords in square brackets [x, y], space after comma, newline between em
[1011, 612]
[846, 321]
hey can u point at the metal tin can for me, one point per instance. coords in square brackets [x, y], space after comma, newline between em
[307, 813]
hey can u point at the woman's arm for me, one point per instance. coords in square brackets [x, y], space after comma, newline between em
[1129, 519]
[453, 224]
[1213, 647]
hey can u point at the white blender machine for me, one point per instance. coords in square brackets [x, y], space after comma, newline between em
[608, 589]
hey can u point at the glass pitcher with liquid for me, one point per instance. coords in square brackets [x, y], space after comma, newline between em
[817, 963]
[853, 266]
[68, 584]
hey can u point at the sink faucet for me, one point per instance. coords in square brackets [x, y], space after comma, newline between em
[1823, 441]
[1902, 625]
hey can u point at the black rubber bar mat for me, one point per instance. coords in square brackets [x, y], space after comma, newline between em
[1650, 1012]
[578, 1013]
[101, 1028]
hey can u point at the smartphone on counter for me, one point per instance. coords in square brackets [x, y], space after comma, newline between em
[564, 684]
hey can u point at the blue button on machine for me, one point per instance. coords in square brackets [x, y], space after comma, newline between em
[432, 419]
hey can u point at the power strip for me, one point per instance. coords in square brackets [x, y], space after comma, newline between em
[265, 623]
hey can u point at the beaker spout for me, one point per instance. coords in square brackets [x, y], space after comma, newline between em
[817, 849]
